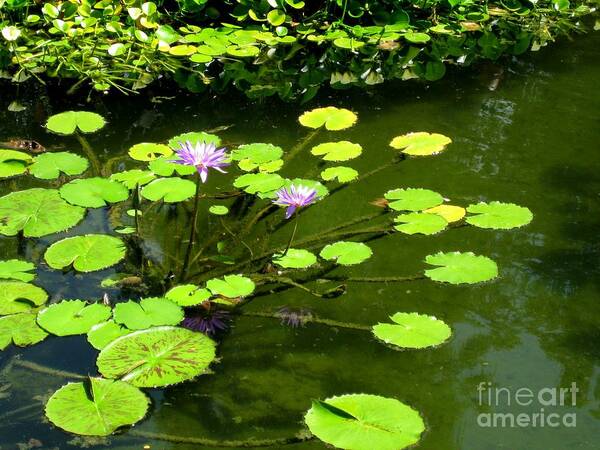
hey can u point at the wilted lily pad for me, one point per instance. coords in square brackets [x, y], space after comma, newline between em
[412, 330]
[15, 269]
[413, 199]
[365, 422]
[132, 178]
[13, 163]
[165, 168]
[72, 317]
[157, 357]
[498, 216]
[457, 268]
[68, 122]
[333, 118]
[169, 190]
[337, 151]
[86, 253]
[49, 166]
[17, 297]
[148, 312]
[420, 144]
[37, 212]
[97, 409]
[451, 213]
[101, 334]
[343, 174]
[263, 184]
[148, 151]
[346, 253]
[422, 223]
[231, 286]
[20, 329]
[194, 137]
[93, 192]
[295, 259]
[188, 295]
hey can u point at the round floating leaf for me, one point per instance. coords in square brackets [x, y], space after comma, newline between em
[188, 295]
[49, 166]
[194, 137]
[365, 422]
[68, 122]
[246, 51]
[86, 253]
[147, 151]
[417, 38]
[268, 167]
[451, 213]
[263, 184]
[337, 151]
[333, 118]
[20, 329]
[421, 143]
[348, 43]
[149, 312]
[346, 253]
[218, 210]
[15, 269]
[412, 330]
[256, 154]
[132, 178]
[231, 286]
[343, 174]
[72, 317]
[422, 223]
[93, 192]
[322, 191]
[96, 407]
[13, 163]
[17, 297]
[100, 335]
[457, 268]
[37, 212]
[498, 216]
[165, 168]
[157, 357]
[169, 190]
[295, 259]
[412, 199]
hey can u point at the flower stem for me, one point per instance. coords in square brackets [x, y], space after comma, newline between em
[289, 244]
[188, 252]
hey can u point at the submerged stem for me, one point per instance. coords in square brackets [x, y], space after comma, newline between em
[289, 244]
[188, 252]
[311, 319]
[250, 443]
[89, 152]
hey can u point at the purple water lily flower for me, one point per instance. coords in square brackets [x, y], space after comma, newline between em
[209, 322]
[294, 317]
[203, 156]
[295, 197]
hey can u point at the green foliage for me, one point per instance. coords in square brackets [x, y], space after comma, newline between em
[147, 313]
[15, 269]
[101, 334]
[93, 192]
[337, 151]
[231, 286]
[331, 117]
[169, 190]
[422, 223]
[218, 210]
[457, 268]
[13, 163]
[165, 168]
[343, 174]
[263, 184]
[132, 178]
[194, 137]
[17, 297]
[49, 166]
[295, 259]
[346, 253]
[188, 295]
[412, 199]
[70, 121]
[498, 215]
[420, 144]
[20, 329]
[148, 152]
[412, 330]
[72, 317]
[85, 253]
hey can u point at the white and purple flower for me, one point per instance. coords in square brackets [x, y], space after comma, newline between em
[295, 197]
[203, 156]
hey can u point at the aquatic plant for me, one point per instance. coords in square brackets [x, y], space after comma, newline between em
[202, 156]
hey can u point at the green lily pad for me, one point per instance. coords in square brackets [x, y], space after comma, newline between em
[93, 192]
[72, 317]
[188, 295]
[68, 122]
[498, 216]
[157, 357]
[422, 223]
[417, 38]
[245, 51]
[21, 330]
[49, 166]
[194, 137]
[97, 409]
[421, 143]
[17, 297]
[148, 151]
[165, 168]
[169, 190]
[13, 163]
[343, 174]
[132, 178]
[102, 334]
[231, 286]
[295, 259]
[457, 268]
[37, 212]
[331, 117]
[365, 422]
[253, 155]
[322, 191]
[346, 253]
[15, 269]
[413, 199]
[337, 151]
[86, 253]
[147, 313]
[218, 210]
[263, 184]
[412, 330]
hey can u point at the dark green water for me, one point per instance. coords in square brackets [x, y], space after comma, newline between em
[533, 141]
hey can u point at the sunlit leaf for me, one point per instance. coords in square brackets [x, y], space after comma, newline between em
[15, 269]
[231, 286]
[17, 297]
[218, 210]
[498, 216]
[147, 151]
[132, 178]
[100, 335]
[165, 168]
[343, 174]
[322, 191]
[295, 259]
[421, 223]
[72, 317]
[188, 295]
[337, 151]
[457, 268]
[331, 117]
[13, 163]
[148, 312]
[346, 253]
[413, 199]
[412, 330]
[68, 122]
[169, 190]
[256, 154]
[93, 192]
[85, 253]
[49, 166]
[263, 184]
[451, 213]
[20, 329]
[421, 143]
[194, 137]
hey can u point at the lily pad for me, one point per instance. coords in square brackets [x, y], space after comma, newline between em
[457, 268]
[194, 137]
[37, 212]
[169, 190]
[15, 269]
[251, 156]
[346, 253]
[337, 151]
[343, 174]
[93, 192]
[412, 330]
[451, 213]
[86, 253]
[157, 357]
[13, 163]
[148, 312]
[148, 151]
[71, 317]
[365, 422]
[97, 409]
[231, 286]
[498, 216]
[218, 210]
[188, 295]
[68, 122]
[263, 184]
[421, 143]
[413, 199]
[17, 297]
[422, 223]
[331, 117]
[49, 166]
[269, 167]
[165, 168]
[132, 178]
[102, 334]
[295, 259]
[21, 330]
[322, 191]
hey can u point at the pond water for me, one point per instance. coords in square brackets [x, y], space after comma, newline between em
[532, 141]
